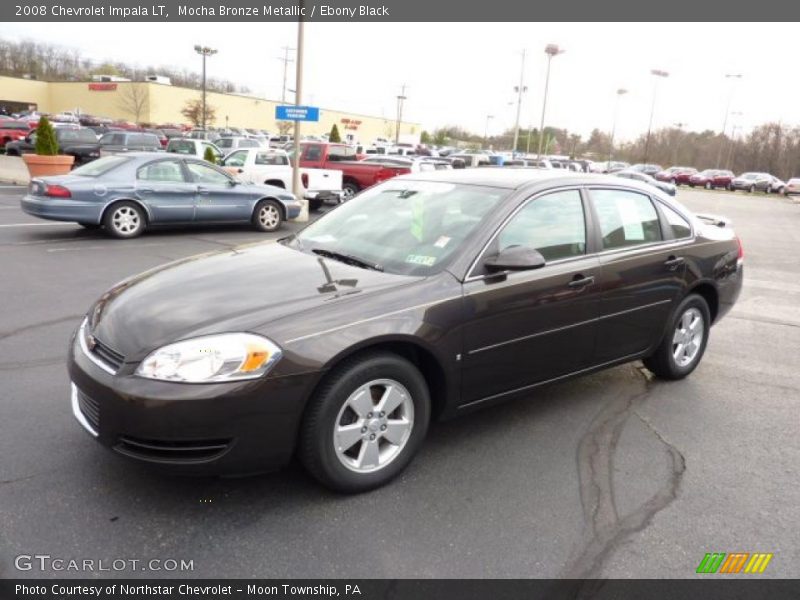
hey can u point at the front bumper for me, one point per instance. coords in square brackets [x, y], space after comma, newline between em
[61, 209]
[194, 429]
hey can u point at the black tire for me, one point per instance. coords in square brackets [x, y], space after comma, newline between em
[779, 191]
[751, 189]
[117, 226]
[708, 185]
[267, 216]
[90, 226]
[662, 362]
[350, 189]
[316, 443]
[314, 204]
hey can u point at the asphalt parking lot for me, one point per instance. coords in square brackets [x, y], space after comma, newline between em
[610, 475]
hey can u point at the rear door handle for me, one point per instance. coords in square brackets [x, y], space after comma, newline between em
[673, 262]
[145, 190]
[202, 190]
[580, 281]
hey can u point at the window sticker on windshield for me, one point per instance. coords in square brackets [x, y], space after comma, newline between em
[418, 259]
[442, 241]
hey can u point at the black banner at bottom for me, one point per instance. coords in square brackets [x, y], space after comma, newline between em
[400, 589]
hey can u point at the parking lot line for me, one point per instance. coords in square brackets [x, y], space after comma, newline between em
[105, 247]
[38, 224]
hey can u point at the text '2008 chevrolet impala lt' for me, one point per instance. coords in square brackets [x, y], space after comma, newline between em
[423, 297]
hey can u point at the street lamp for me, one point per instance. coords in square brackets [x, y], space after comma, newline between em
[205, 52]
[658, 74]
[551, 50]
[727, 108]
[620, 93]
[519, 89]
[486, 129]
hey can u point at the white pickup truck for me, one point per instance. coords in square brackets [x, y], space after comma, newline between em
[273, 167]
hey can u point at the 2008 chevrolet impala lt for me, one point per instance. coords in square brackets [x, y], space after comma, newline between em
[423, 297]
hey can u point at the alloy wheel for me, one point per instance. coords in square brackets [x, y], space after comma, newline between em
[688, 337]
[268, 216]
[373, 426]
[126, 220]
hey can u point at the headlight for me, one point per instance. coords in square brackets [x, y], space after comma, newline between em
[212, 358]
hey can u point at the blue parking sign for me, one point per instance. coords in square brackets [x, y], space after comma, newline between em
[297, 113]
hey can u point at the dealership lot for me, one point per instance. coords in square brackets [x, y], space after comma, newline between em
[611, 475]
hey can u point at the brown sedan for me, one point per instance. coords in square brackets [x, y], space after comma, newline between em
[424, 297]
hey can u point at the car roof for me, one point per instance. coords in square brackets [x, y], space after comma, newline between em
[511, 177]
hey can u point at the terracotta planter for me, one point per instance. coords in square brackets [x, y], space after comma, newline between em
[42, 166]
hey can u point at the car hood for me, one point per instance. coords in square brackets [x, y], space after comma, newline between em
[243, 289]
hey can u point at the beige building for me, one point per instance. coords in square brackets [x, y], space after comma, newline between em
[158, 103]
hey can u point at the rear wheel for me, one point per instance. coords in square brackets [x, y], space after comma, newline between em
[350, 189]
[125, 220]
[685, 341]
[267, 216]
[708, 185]
[365, 423]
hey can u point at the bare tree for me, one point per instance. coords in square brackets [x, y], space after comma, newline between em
[193, 111]
[133, 99]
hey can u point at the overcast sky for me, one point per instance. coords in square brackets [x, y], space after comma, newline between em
[458, 73]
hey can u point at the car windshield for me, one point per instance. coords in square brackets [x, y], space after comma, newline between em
[100, 166]
[404, 227]
[749, 175]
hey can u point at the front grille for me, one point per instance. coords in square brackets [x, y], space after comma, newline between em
[172, 451]
[107, 354]
[90, 409]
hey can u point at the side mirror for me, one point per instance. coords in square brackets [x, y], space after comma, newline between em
[233, 182]
[515, 258]
[240, 170]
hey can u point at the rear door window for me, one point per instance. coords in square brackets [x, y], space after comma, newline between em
[625, 218]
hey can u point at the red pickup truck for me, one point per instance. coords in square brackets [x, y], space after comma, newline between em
[355, 175]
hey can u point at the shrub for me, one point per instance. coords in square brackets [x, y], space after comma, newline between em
[334, 137]
[46, 142]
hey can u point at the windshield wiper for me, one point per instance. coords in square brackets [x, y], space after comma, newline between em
[347, 258]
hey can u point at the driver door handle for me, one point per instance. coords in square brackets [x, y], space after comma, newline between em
[580, 281]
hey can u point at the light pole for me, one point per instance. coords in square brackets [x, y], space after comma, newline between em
[205, 52]
[658, 75]
[675, 156]
[727, 109]
[285, 60]
[486, 129]
[520, 89]
[731, 155]
[620, 93]
[400, 100]
[298, 98]
[551, 50]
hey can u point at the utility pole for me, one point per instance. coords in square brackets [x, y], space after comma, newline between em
[400, 100]
[519, 89]
[298, 98]
[285, 60]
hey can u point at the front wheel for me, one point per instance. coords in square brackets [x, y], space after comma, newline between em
[685, 341]
[365, 423]
[267, 216]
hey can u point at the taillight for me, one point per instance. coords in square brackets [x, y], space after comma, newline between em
[57, 191]
[740, 254]
[304, 179]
